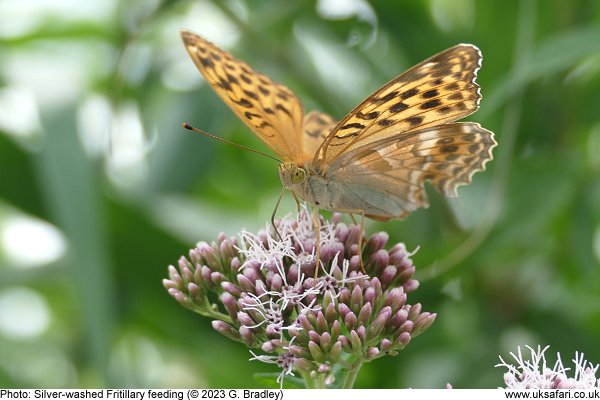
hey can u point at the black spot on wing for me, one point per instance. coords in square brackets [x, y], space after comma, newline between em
[474, 148]
[431, 104]
[281, 107]
[371, 115]
[416, 120]
[398, 107]
[430, 93]
[387, 97]
[232, 79]
[252, 95]
[409, 93]
[224, 84]
[448, 149]
[206, 62]
[243, 102]
[353, 125]
[264, 91]
[250, 115]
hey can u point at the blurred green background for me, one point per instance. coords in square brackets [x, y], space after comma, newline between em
[101, 188]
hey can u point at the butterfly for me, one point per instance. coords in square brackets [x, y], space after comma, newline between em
[376, 160]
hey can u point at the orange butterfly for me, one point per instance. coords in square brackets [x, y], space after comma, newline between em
[376, 160]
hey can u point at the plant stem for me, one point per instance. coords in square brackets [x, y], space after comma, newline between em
[352, 374]
[208, 312]
[218, 315]
[317, 382]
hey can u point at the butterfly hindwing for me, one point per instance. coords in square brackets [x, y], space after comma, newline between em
[317, 126]
[398, 167]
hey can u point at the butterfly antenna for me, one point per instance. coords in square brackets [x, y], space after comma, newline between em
[193, 128]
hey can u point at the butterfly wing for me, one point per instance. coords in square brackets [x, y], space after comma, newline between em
[317, 126]
[439, 90]
[387, 178]
[269, 109]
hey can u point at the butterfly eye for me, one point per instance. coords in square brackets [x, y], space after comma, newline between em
[298, 175]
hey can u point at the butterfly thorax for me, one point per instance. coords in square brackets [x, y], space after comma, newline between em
[307, 183]
[300, 180]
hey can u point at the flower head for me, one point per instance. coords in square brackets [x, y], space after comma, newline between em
[535, 373]
[270, 300]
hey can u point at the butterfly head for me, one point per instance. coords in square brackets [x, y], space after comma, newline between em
[291, 175]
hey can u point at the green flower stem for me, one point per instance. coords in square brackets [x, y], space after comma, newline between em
[212, 313]
[352, 374]
[318, 382]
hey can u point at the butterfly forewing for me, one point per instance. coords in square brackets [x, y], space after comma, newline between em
[270, 109]
[447, 156]
[441, 89]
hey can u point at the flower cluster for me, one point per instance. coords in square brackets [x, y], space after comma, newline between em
[535, 373]
[271, 298]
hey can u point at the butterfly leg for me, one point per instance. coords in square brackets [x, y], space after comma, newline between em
[317, 228]
[297, 201]
[275, 212]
